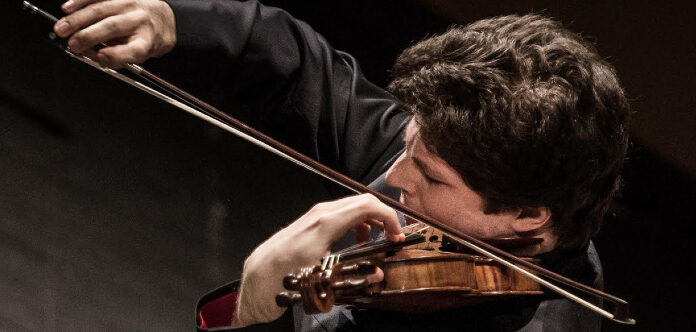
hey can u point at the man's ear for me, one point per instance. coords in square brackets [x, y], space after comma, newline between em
[531, 219]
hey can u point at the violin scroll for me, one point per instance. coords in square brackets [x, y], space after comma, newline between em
[316, 286]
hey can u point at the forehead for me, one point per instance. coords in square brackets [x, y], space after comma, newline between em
[411, 131]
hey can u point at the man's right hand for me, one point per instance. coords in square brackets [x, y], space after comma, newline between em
[134, 30]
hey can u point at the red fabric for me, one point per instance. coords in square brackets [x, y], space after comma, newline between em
[218, 312]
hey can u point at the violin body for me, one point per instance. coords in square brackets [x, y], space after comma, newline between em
[420, 281]
[418, 278]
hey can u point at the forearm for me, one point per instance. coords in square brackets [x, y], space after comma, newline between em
[283, 78]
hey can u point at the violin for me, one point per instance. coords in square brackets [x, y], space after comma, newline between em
[425, 273]
[412, 268]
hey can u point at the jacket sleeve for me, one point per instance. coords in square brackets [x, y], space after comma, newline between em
[278, 75]
[215, 311]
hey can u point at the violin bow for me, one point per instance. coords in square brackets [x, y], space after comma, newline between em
[184, 101]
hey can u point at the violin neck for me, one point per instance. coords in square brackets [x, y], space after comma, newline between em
[378, 246]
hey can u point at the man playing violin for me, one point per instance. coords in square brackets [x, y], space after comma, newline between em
[507, 127]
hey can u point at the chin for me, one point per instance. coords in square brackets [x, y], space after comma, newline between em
[408, 219]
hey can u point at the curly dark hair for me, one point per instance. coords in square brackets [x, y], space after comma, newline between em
[527, 113]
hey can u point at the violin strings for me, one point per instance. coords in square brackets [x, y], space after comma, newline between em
[384, 245]
[406, 229]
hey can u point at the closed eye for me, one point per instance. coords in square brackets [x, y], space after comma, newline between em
[431, 180]
[422, 169]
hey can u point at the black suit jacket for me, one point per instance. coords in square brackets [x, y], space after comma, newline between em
[280, 76]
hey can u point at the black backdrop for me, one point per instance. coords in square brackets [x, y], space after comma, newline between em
[117, 212]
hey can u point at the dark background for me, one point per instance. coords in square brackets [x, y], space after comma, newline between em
[117, 212]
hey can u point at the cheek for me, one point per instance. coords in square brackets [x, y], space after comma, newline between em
[459, 211]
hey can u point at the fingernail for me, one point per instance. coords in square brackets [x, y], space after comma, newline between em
[62, 27]
[68, 5]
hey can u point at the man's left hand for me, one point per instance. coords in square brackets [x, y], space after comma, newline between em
[302, 244]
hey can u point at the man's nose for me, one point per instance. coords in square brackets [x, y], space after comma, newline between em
[398, 174]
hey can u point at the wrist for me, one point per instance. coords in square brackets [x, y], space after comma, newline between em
[166, 38]
[256, 300]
